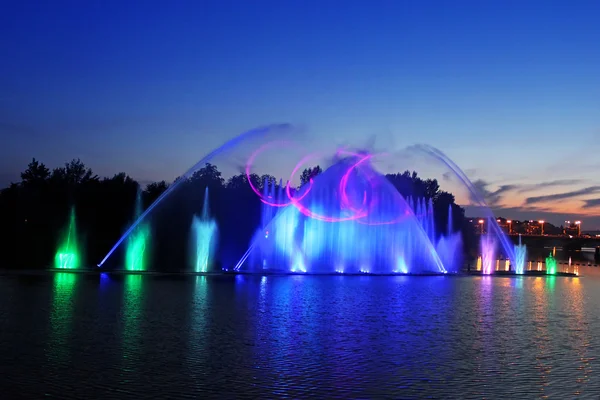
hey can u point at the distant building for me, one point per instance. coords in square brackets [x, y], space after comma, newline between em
[515, 227]
[572, 228]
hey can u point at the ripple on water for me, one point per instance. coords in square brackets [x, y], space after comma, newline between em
[298, 337]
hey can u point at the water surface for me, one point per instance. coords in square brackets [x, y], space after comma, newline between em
[133, 336]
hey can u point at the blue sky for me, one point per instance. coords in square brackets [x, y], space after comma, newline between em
[508, 89]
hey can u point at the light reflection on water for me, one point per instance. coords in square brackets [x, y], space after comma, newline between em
[541, 339]
[61, 318]
[198, 328]
[132, 314]
[135, 336]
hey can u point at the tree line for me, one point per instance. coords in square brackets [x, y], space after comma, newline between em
[34, 212]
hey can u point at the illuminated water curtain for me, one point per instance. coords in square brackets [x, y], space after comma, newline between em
[136, 255]
[551, 265]
[520, 257]
[349, 219]
[203, 239]
[488, 249]
[68, 255]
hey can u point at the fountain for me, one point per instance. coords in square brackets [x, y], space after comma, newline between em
[475, 195]
[68, 256]
[520, 257]
[449, 246]
[488, 249]
[551, 265]
[276, 130]
[136, 255]
[350, 219]
[203, 239]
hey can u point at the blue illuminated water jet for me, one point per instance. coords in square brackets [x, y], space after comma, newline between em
[449, 246]
[488, 251]
[394, 237]
[276, 129]
[203, 238]
[475, 195]
[520, 257]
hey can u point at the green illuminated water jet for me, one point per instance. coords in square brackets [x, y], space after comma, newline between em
[203, 239]
[68, 255]
[136, 256]
[551, 265]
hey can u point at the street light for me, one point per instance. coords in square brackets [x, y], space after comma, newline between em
[509, 222]
[542, 225]
[481, 224]
[578, 223]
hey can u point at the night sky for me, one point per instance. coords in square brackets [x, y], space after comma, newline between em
[510, 90]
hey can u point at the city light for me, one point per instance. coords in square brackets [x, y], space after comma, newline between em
[532, 227]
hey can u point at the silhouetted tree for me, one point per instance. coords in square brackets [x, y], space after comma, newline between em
[209, 175]
[74, 173]
[309, 173]
[240, 182]
[36, 174]
[34, 211]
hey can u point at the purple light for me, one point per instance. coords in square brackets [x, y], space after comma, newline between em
[257, 192]
[302, 238]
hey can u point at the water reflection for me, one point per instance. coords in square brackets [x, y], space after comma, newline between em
[199, 330]
[483, 341]
[550, 283]
[61, 317]
[579, 336]
[518, 282]
[132, 337]
[541, 337]
[131, 318]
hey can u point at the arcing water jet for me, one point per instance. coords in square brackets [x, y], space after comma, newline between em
[277, 129]
[475, 195]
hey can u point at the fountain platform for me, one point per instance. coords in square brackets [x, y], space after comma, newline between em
[217, 273]
[98, 271]
[525, 273]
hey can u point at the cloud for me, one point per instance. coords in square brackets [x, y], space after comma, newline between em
[591, 203]
[555, 183]
[449, 175]
[563, 196]
[492, 198]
